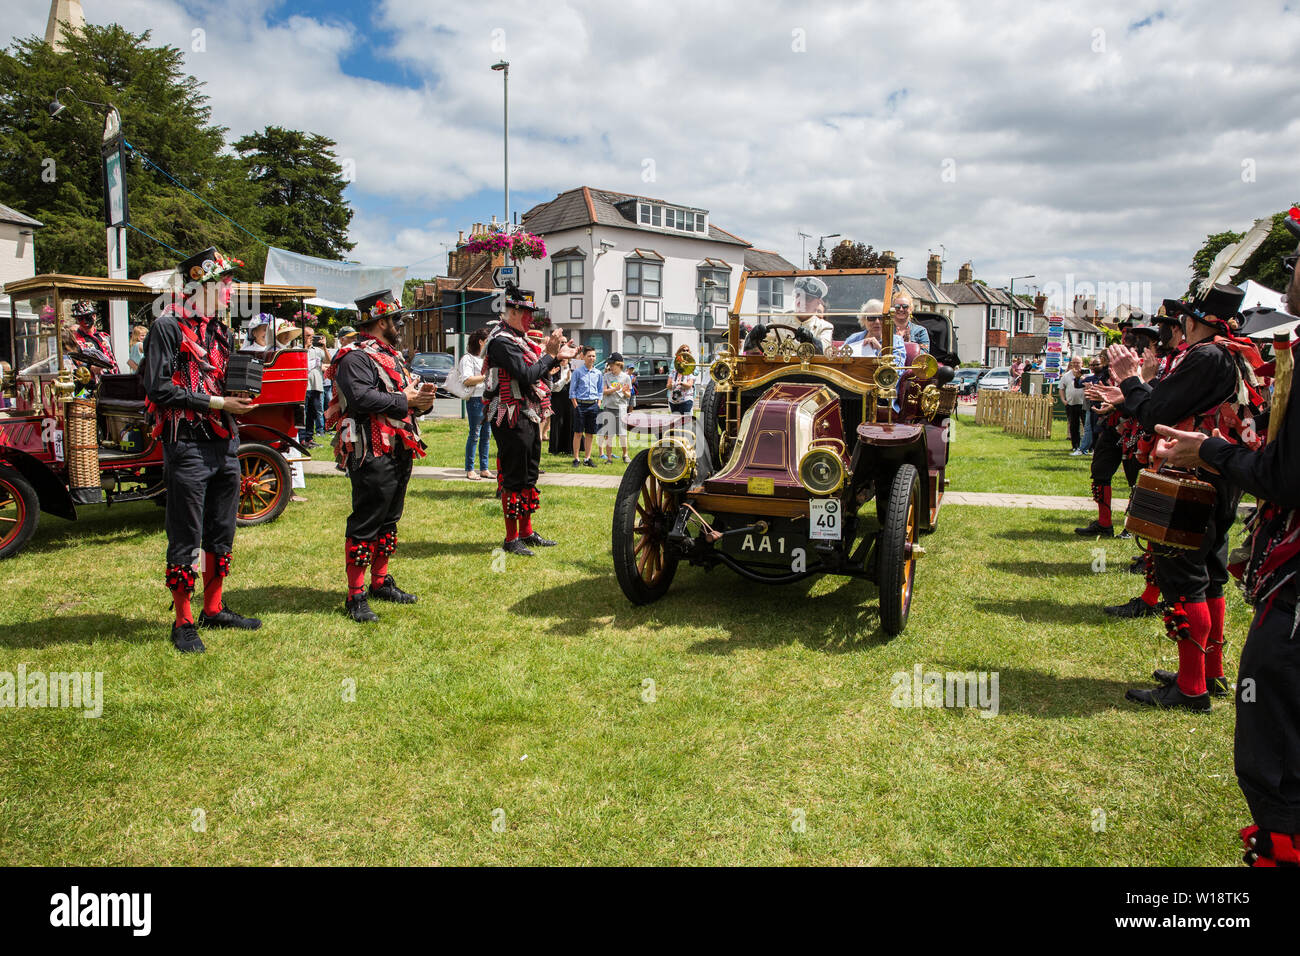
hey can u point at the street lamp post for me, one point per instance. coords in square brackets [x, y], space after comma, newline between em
[1013, 295]
[821, 248]
[504, 68]
[803, 250]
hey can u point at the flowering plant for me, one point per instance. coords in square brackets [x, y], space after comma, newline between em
[519, 245]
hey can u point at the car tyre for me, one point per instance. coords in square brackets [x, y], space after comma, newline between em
[643, 514]
[265, 484]
[897, 566]
[20, 510]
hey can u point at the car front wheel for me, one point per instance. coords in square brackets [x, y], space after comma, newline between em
[897, 559]
[643, 515]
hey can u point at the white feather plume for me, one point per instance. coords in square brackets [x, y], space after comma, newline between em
[1231, 258]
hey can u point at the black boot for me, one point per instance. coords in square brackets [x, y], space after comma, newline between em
[1136, 607]
[358, 608]
[517, 546]
[228, 618]
[1218, 686]
[1168, 697]
[535, 540]
[1138, 565]
[1095, 530]
[187, 640]
[389, 591]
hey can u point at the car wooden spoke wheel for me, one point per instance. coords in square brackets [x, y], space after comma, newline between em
[19, 511]
[265, 484]
[643, 515]
[898, 549]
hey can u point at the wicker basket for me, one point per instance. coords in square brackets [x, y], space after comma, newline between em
[83, 444]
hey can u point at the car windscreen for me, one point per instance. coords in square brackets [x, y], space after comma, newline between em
[437, 360]
[838, 298]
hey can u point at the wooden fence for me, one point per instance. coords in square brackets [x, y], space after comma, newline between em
[1029, 416]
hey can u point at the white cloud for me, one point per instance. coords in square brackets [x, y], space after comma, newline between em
[1107, 154]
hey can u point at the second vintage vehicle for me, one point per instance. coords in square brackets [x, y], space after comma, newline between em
[71, 433]
[802, 463]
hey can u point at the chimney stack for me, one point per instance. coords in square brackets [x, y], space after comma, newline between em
[934, 269]
[888, 259]
[966, 273]
[1040, 304]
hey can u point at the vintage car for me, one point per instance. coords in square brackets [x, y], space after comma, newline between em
[70, 435]
[790, 448]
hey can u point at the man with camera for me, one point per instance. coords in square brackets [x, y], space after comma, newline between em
[376, 399]
[184, 377]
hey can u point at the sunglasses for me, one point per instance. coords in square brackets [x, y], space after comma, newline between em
[902, 308]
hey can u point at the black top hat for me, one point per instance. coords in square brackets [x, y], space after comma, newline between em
[83, 309]
[376, 305]
[207, 266]
[1171, 313]
[516, 298]
[1140, 323]
[1221, 301]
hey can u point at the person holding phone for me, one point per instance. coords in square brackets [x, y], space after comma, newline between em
[376, 400]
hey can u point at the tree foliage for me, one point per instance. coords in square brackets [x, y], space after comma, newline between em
[286, 189]
[1264, 266]
[852, 255]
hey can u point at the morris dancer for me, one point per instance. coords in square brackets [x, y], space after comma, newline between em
[1201, 393]
[1108, 455]
[514, 370]
[91, 339]
[184, 375]
[373, 407]
[1266, 745]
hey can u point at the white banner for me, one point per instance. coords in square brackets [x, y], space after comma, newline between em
[338, 284]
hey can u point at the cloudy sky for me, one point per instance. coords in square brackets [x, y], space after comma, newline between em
[1078, 142]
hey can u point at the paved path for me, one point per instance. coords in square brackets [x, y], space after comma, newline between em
[572, 480]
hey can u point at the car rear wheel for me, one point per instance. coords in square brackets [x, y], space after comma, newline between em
[20, 509]
[643, 514]
[265, 484]
[897, 560]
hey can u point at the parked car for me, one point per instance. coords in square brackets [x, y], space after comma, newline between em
[433, 367]
[998, 379]
[967, 379]
[792, 445]
[651, 378]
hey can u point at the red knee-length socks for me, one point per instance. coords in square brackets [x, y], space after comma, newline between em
[181, 602]
[1191, 652]
[526, 525]
[378, 569]
[1214, 646]
[1103, 507]
[512, 529]
[1151, 595]
[212, 579]
[356, 569]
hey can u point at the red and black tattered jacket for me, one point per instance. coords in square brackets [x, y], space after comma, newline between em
[184, 366]
[368, 406]
[514, 371]
[97, 340]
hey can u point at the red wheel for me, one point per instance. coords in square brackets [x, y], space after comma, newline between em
[20, 509]
[265, 484]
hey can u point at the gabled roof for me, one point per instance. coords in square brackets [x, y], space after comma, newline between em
[644, 254]
[761, 260]
[588, 206]
[970, 293]
[1076, 324]
[924, 290]
[713, 264]
[9, 214]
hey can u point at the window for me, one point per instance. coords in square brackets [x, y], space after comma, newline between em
[721, 290]
[634, 310]
[643, 278]
[771, 295]
[649, 214]
[568, 276]
[575, 308]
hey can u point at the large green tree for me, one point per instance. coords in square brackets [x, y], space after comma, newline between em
[299, 184]
[1264, 265]
[50, 166]
[853, 255]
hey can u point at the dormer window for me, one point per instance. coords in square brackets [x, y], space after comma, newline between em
[671, 217]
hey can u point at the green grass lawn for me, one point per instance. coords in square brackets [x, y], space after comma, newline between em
[527, 693]
[987, 459]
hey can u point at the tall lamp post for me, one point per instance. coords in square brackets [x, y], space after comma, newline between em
[803, 250]
[821, 248]
[1013, 296]
[503, 68]
[706, 295]
[116, 215]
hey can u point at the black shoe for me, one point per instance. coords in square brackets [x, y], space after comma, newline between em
[1136, 607]
[1168, 697]
[537, 541]
[517, 546]
[1218, 686]
[541, 471]
[1125, 535]
[589, 463]
[1095, 529]
[228, 618]
[1138, 565]
[187, 640]
[575, 464]
[389, 591]
[358, 608]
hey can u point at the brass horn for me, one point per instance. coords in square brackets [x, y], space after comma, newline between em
[684, 361]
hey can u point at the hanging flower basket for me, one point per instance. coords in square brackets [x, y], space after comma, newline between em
[518, 245]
